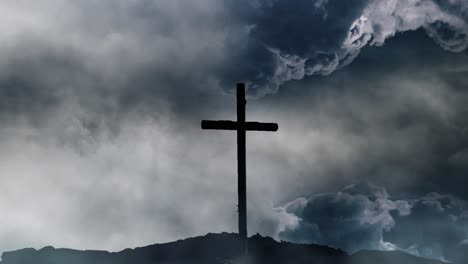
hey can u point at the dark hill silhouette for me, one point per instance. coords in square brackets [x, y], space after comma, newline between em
[212, 248]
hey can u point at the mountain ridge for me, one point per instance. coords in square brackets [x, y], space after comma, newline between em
[212, 248]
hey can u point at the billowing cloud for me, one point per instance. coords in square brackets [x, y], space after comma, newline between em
[290, 41]
[352, 219]
[364, 216]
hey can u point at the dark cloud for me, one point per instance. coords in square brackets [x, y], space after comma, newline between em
[133, 54]
[353, 219]
[285, 41]
[399, 112]
[364, 216]
[436, 226]
[101, 101]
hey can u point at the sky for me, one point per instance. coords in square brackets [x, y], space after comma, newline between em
[101, 103]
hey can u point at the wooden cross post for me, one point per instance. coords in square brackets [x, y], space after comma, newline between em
[241, 126]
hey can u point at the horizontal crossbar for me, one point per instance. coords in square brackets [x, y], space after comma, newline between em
[233, 125]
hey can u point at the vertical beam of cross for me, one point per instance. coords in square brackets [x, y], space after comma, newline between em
[241, 126]
[241, 163]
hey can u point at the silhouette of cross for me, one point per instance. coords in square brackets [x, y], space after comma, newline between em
[241, 127]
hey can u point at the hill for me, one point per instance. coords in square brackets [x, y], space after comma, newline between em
[212, 248]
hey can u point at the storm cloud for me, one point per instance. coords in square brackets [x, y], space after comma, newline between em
[101, 102]
[290, 41]
[364, 216]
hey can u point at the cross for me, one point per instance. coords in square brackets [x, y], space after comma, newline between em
[241, 127]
